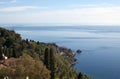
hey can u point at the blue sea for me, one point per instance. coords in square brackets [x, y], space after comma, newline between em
[100, 45]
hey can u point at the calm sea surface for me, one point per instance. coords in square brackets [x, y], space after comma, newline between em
[100, 45]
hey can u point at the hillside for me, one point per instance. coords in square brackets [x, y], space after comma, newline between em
[35, 59]
[19, 68]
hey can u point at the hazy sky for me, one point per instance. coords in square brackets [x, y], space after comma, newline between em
[101, 12]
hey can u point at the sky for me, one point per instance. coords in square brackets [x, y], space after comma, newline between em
[75, 12]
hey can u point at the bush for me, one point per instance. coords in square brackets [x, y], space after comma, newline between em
[25, 66]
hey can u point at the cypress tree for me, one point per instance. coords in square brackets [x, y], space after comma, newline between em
[49, 61]
[52, 63]
[47, 58]
[14, 53]
[1, 51]
[79, 76]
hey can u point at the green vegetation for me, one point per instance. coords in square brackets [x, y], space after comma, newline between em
[49, 61]
[83, 76]
[35, 59]
[19, 68]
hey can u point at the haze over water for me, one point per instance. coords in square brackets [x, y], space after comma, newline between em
[100, 45]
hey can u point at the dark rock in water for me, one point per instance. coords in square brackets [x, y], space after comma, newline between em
[75, 59]
[78, 51]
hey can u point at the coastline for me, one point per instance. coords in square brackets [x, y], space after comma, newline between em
[61, 61]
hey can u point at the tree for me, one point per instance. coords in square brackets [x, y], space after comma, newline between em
[27, 41]
[1, 57]
[49, 61]
[9, 42]
[52, 63]
[47, 58]
[79, 75]
[25, 66]
[14, 53]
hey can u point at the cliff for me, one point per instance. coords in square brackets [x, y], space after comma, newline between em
[55, 60]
